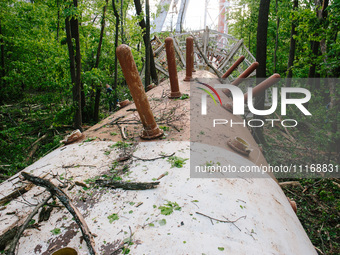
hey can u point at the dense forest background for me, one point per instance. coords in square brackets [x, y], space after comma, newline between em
[57, 56]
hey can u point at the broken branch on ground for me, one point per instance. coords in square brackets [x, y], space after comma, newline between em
[65, 200]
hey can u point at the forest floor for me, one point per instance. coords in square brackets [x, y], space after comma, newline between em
[317, 199]
[27, 133]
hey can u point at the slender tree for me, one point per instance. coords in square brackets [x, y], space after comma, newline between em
[122, 21]
[293, 33]
[98, 87]
[115, 83]
[2, 48]
[277, 34]
[261, 57]
[58, 20]
[147, 45]
[142, 24]
[72, 31]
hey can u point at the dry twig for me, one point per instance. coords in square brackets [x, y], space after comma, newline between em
[151, 159]
[127, 185]
[224, 221]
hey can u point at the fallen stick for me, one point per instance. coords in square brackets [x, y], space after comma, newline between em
[151, 159]
[35, 147]
[15, 194]
[292, 183]
[65, 200]
[11, 250]
[223, 221]
[127, 185]
[123, 132]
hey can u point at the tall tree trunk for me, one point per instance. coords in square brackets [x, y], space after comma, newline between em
[321, 14]
[261, 57]
[115, 83]
[261, 39]
[72, 31]
[152, 60]
[277, 35]
[98, 87]
[2, 48]
[70, 50]
[292, 46]
[312, 68]
[148, 45]
[122, 37]
[58, 20]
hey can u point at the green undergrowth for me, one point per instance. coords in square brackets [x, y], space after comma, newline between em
[317, 199]
[31, 128]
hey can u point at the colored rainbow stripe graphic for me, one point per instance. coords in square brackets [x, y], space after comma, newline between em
[212, 89]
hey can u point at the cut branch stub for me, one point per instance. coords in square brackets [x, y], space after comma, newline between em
[263, 86]
[129, 68]
[170, 55]
[246, 73]
[233, 67]
[189, 58]
[242, 76]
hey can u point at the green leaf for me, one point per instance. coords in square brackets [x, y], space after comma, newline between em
[56, 231]
[162, 222]
[113, 217]
[169, 207]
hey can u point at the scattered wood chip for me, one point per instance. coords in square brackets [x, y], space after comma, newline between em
[291, 183]
[123, 132]
[71, 187]
[336, 184]
[80, 184]
[139, 204]
[161, 176]
[123, 158]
